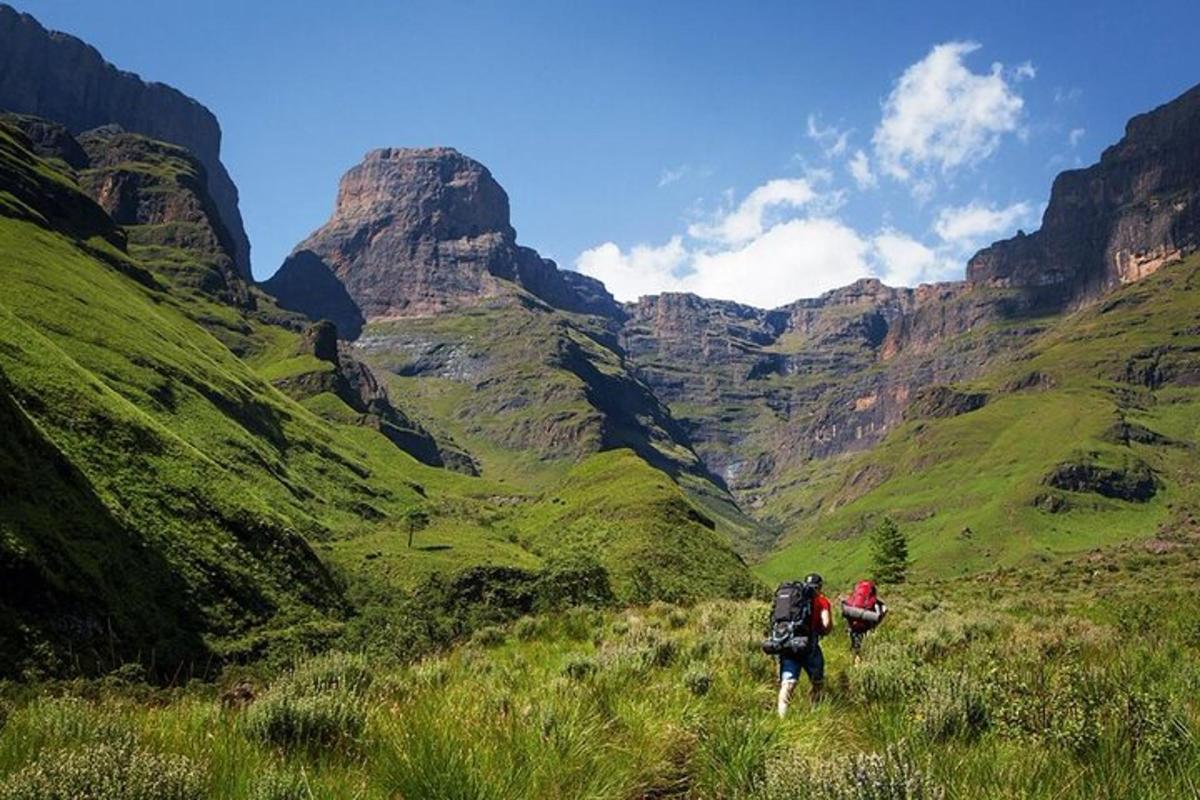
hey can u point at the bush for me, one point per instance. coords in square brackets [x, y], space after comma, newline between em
[953, 707]
[319, 704]
[527, 628]
[697, 681]
[891, 775]
[120, 771]
[489, 636]
[325, 719]
[580, 667]
[280, 785]
[1154, 728]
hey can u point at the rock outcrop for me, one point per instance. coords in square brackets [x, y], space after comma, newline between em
[58, 77]
[1114, 222]
[158, 193]
[417, 232]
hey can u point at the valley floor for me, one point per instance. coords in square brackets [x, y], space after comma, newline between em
[1077, 679]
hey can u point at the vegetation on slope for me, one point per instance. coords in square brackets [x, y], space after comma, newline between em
[1088, 435]
[163, 442]
[985, 688]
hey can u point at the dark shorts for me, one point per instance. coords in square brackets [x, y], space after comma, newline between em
[812, 663]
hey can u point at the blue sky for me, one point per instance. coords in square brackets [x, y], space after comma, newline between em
[759, 152]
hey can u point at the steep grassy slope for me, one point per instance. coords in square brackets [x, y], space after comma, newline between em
[153, 479]
[1089, 435]
[529, 391]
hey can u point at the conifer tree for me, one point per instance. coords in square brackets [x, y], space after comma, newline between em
[889, 552]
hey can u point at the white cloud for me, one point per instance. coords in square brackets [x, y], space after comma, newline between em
[832, 140]
[941, 116]
[860, 169]
[747, 220]
[967, 227]
[798, 258]
[1074, 137]
[903, 261]
[1025, 71]
[645, 269]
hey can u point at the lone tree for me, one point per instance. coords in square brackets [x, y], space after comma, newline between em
[889, 552]
[415, 518]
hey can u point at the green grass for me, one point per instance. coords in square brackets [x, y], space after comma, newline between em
[1076, 679]
[971, 491]
[170, 498]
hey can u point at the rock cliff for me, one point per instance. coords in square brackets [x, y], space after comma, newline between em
[58, 77]
[417, 232]
[1114, 222]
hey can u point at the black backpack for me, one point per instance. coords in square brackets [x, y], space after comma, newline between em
[790, 615]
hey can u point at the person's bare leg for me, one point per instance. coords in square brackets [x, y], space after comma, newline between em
[786, 687]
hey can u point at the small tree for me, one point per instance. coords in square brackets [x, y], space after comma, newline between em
[889, 552]
[416, 519]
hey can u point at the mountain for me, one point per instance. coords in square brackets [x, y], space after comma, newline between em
[492, 346]
[773, 399]
[417, 232]
[57, 77]
[191, 478]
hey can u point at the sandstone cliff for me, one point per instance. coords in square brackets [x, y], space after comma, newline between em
[58, 77]
[417, 232]
[1114, 222]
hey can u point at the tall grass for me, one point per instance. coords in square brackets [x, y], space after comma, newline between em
[966, 691]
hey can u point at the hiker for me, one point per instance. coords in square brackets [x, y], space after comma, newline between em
[800, 616]
[863, 612]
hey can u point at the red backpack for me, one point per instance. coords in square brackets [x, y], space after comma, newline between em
[864, 597]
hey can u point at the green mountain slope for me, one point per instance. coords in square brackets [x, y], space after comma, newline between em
[1087, 436]
[164, 500]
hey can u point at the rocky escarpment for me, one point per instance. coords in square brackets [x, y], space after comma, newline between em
[342, 375]
[1114, 222]
[158, 193]
[417, 232]
[58, 77]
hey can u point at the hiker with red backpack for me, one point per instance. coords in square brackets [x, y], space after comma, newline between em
[800, 616]
[863, 612]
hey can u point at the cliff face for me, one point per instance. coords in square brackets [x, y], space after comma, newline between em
[58, 77]
[1116, 221]
[422, 231]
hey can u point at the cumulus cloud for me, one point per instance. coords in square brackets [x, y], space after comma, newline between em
[941, 116]
[1075, 136]
[645, 269]
[903, 261]
[967, 227]
[747, 220]
[860, 169]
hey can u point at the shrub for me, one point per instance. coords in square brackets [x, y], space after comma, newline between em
[677, 618]
[489, 636]
[325, 719]
[580, 667]
[697, 681]
[120, 771]
[349, 672]
[280, 785]
[527, 628]
[319, 704]
[891, 775]
[953, 707]
[1153, 727]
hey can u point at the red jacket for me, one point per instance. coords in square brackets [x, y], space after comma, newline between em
[822, 616]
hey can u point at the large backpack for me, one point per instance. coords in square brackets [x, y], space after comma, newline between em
[859, 609]
[791, 614]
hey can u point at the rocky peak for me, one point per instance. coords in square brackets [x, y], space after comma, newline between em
[60, 78]
[1114, 222]
[418, 231]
